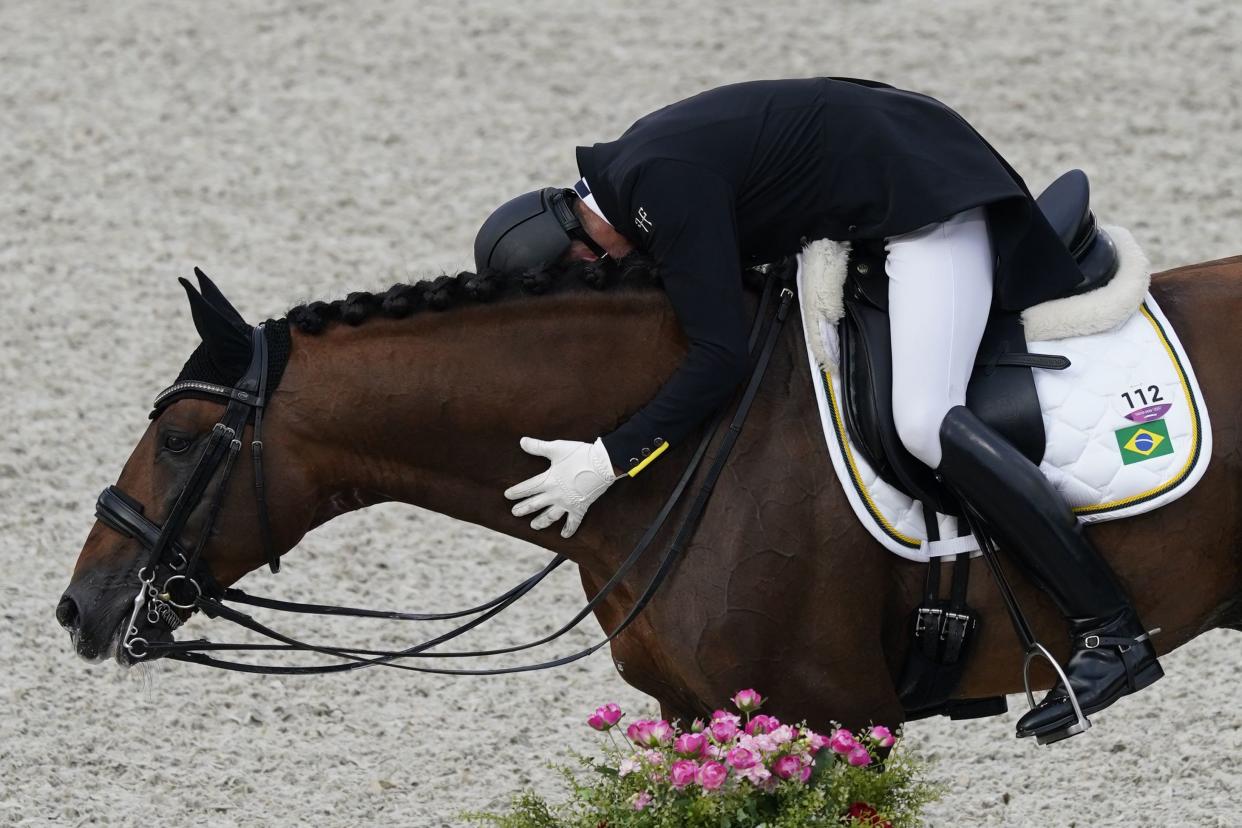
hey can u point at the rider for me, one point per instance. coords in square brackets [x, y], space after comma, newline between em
[747, 173]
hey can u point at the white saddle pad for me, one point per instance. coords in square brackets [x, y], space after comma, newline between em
[1126, 426]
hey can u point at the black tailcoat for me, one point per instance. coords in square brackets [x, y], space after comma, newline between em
[745, 173]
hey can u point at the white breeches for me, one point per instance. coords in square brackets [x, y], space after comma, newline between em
[939, 294]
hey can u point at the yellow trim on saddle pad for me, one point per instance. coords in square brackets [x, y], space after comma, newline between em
[838, 425]
[1196, 432]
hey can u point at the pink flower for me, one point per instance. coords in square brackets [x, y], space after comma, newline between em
[882, 735]
[747, 701]
[647, 733]
[683, 773]
[741, 758]
[804, 775]
[654, 757]
[690, 745]
[858, 756]
[605, 716]
[712, 775]
[642, 800]
[758, 745]
[697, 726]
[757, 774]
[782, 735]
[762, 724]
[787, 766]
[842, 741]
[763, 742]
[637, 731]
[816, 741]
[628, 766]
[724, 728]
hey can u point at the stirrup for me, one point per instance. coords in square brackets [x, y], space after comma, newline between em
[1025, 634]
[1092, 641]
[1082, 725]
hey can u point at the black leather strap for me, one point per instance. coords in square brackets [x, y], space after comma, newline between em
[354, 658]
[1048, 362]
[237, 596]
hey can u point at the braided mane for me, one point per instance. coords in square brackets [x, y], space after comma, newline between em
[452, 290]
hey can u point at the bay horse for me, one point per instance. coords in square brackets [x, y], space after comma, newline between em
[782, 588]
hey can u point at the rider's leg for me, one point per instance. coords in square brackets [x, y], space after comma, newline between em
[939, 294]
[1111, 656]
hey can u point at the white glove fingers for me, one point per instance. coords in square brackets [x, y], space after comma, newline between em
[529, 486]
[578, 474]
[571, 525]
[550, 516]
[532, 504]
[539, 448]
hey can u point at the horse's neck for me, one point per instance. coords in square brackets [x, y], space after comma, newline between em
[429, 410]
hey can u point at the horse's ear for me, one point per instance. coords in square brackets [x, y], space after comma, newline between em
[227, 345]
[216, 299]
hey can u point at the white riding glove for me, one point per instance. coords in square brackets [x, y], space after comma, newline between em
[580, 473]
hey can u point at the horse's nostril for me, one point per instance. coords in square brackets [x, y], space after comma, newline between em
[67, 613]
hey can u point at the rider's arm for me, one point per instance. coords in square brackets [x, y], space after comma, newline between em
[687, 222]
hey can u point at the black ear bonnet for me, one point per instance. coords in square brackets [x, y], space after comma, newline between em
[223, 355]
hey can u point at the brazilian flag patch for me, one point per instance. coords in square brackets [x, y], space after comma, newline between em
[1143, 442]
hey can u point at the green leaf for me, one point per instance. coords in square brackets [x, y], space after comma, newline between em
[824, 760]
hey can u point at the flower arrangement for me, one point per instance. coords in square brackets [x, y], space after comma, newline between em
[741, 769]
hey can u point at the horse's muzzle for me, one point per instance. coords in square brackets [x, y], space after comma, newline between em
[94, 621]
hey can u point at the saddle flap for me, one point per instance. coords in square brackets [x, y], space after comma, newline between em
[867, 386]
[1001, 391]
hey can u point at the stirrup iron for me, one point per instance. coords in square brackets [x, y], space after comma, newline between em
[1036, 650]
[1026, 635]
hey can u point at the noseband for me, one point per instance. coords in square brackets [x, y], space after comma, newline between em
[188, 586]
[184, 575]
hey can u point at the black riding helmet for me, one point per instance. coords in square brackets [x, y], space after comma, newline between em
[534, 229]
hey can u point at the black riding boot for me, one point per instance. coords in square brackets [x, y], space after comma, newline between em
[1111, 654]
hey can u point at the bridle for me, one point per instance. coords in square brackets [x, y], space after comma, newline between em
[184, 587]
[187, 584]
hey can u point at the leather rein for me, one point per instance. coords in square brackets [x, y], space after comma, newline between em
[188, 586]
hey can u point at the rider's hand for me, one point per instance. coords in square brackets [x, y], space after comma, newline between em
[580, 473]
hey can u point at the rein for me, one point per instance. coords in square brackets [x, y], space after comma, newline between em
[124, 514]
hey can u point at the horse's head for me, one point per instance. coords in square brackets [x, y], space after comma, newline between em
[184, 515]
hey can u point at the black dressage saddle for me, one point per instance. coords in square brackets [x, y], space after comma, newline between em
[1001, 390]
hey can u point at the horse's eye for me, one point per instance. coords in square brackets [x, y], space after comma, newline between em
[176, 444]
